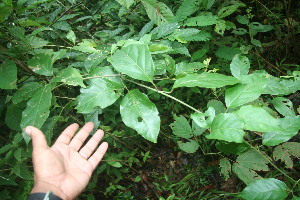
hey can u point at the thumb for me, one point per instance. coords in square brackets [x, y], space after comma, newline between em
[39, 141]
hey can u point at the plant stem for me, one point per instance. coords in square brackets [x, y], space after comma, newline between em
[163, 93]
[267, 159]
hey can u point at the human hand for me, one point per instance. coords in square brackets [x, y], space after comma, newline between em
[65, 168]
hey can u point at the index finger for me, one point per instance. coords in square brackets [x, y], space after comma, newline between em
[67, 134]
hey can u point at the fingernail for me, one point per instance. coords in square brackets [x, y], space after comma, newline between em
[28, 130]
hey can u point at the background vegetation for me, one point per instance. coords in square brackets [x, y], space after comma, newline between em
[198, 98]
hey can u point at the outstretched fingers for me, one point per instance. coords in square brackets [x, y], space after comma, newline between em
[81, 136]
[92, 144]
[67, 134]
[98, 155]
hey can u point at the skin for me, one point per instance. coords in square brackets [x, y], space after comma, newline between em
[66, 167]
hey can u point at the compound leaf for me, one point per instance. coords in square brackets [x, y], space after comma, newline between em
[205, 80]
[265, 189]
[228, 127]
[134, 60]
[139, 113]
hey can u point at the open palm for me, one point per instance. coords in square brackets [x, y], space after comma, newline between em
[65, 168]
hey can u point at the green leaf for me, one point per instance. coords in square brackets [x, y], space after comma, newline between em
[164, 30]
[253, 160]
[25, 92]
[189, 147]
[284, 106]
[69, 76]
[41, 64]
[103, 91]
[220, 27]
[227, 52]
[232, 147]
[201, 21]
[187, 8]
[217, 105]
[242, 94]
[225, 168]
[228, 10]
[239, 65]
[188, 68]
[242, 19]
[135, 61]
[289, 127]
[158, 11]
[227, 127]
[13, 117]
[245, 174]
[8, 75]
[22, 172]
[265, 189]
[71, 36]
[182, 128]
[256, 42]
[285, 151]
[87, 46]
[205, 80]
[36, 42]
[37, 110]
[5, 11]
[126, 3]
[258, 119]
[139, 113]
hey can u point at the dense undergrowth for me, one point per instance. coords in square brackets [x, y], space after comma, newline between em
[198, 98]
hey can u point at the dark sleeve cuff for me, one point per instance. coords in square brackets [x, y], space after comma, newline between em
[41, 196]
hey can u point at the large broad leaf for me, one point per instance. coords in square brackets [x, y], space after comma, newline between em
[41, 64]
[251, 87]
[205, 80]
[227, 127]
[103, 91]
[289, 127]
[239, 65]
[69, 76]
[25, 92]
[139, 113]
[37, 110]
[241, 94]
[258, 119]
[265, 189]
[134, 60]
[126, 3]
[8, 75]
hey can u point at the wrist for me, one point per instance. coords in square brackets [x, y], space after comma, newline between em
[42, 187]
